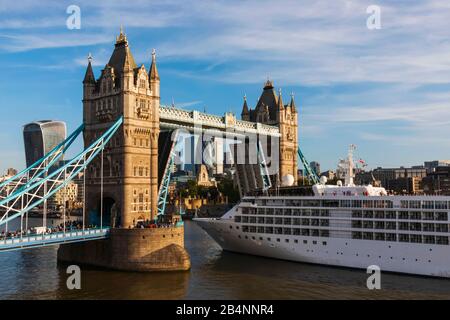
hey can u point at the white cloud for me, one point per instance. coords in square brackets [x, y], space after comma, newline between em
[17, 43]
[301, 42]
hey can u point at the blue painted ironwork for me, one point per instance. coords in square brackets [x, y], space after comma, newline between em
[50, 239]
[25, 177]
[59, 179]
[263, 168]
[165, 181]
[311, 174]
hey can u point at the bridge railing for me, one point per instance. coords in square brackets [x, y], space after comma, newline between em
[32, 240]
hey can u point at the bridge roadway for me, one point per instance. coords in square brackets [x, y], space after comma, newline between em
[54, 238]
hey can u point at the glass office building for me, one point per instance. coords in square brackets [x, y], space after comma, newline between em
[41, 137]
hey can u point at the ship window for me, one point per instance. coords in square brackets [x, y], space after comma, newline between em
[428, 239]
[324, 243]
[441, 204]
[427, 204]
[314, 242]
[403, 215]
[414, 204]
[414, 215]
[287, 240]
[305, 241]
[268, 239]
[379, 236]
[428, 216]
[390, 215]
[367, 235]
[295, 241]
[391, 237]
[441, 216]
[278, 240]
[324, 233]
[441, 240]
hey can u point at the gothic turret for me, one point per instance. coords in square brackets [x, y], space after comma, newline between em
[89, 77]
[245, 115]
[153, 73]
[154, 76]
[280, 100]
[292, 104]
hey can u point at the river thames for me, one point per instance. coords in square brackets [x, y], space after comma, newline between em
[35, 274]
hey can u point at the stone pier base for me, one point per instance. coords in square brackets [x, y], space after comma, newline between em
[159, 249]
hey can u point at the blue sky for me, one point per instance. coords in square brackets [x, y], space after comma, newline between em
[387, 90]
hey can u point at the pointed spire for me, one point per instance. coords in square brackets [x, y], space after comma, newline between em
[280, 100]
[121, 38]
[89, 76]
[268, 84]
[121, 59]
[245, 107]
[292, 104]
[153, 74]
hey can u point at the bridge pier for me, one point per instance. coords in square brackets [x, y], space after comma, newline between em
[143, 250]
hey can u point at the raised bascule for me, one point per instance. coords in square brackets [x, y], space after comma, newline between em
[129, 148]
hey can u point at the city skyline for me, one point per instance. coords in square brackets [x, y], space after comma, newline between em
[379, 89]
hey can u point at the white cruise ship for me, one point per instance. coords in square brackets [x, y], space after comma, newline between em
[340, 225]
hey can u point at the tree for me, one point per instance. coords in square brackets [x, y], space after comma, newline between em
[227, 188]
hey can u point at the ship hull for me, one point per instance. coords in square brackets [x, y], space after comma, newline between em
[416, 259]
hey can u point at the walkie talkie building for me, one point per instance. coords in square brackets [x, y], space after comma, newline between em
[41, 137]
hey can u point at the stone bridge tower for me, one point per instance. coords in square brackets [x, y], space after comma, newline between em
[131, 158]
[271, 110]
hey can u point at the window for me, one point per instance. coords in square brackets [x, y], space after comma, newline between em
[391, 237]
[415, 238]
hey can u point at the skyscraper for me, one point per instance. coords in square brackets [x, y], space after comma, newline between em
[41, 137]
[315, 166]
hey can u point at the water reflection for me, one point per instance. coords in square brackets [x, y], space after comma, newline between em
[35, 274]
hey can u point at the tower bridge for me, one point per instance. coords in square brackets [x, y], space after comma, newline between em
[129, 146]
